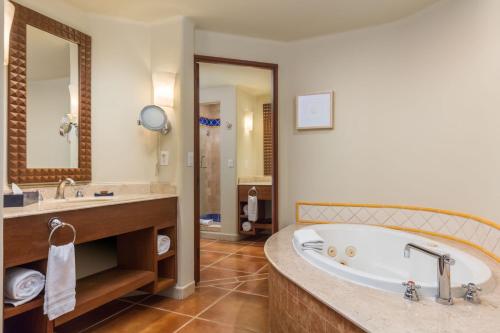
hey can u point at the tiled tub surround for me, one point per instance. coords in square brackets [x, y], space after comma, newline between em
[472, 230]
[374, 310]
[294, 310]
[123, 193]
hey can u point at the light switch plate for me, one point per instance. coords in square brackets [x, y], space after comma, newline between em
[190, 159]
[230, 163]
[164, 156]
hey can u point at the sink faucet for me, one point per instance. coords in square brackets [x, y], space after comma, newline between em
[62, 186]
[443, 272]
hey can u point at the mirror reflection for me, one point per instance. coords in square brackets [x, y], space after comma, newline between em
[52, 100]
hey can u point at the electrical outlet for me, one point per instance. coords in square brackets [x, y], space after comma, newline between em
[190, 159]
[164, 155]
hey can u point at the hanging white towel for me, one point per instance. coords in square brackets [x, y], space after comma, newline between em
[308, 239]
[253, 208]
[163, 244]
[61, 281]
[22, 285]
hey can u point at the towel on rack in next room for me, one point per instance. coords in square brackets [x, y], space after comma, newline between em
[163, 244]
[253, 208]
[308, 239]
[61, 281]
[22, 285]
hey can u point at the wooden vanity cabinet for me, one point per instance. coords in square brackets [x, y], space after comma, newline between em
[264, 196]
[134, 225]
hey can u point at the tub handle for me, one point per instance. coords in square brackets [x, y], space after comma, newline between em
[411, 291]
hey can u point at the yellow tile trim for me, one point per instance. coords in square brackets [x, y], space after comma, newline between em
[431, 233]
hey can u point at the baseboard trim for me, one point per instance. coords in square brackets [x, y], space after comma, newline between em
[220, 236]
[180, 292]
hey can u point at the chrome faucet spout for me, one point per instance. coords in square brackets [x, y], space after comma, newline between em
[62, 186]
[443, 271]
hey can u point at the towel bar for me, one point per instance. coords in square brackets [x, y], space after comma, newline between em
[56, 223]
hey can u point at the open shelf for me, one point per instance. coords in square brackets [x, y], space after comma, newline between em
[268, 226]
[164, 283]
[98, 289]
[11, 311]
[165, 255]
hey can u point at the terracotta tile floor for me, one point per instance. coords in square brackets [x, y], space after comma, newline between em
[232, 297]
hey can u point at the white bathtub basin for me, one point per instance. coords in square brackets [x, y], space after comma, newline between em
[379, 261]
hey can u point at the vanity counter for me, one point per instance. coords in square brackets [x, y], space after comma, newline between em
[62, 205]
[377, 311]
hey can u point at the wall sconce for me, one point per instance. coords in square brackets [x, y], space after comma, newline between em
[163, 86]
[9, 10]
[248, 122]
[73, 98]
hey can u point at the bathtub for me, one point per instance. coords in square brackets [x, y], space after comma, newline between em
[373, 256]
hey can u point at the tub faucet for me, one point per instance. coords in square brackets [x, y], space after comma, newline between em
[443, 272]
[62, 186]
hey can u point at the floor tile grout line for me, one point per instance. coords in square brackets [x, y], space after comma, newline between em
[232, 270]
[241, 276]
[203, 311]
[236, 253]
[131, 305]
[242, 291]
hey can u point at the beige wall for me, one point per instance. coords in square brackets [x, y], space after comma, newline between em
[250, 143]
[416, 112]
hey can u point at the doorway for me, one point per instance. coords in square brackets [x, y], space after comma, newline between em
[235, 187]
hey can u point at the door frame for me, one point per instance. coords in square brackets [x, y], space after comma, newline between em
[238, 62]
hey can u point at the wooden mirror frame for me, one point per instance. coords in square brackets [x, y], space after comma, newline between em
[16, 103]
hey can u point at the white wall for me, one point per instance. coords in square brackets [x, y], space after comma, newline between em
[416, 118]
[226, 96]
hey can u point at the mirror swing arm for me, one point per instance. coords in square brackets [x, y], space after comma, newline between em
[18, 170]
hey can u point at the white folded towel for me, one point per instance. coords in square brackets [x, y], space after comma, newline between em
[61, 281]
[206, 221]
[22, 285]
[163, 244]
[308, 239]
[246, 226]
[253, 208]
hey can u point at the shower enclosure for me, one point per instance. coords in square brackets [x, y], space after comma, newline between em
[210, 157]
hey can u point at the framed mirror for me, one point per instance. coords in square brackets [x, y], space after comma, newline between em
[49, 134]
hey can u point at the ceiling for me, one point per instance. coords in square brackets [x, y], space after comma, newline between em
[283, 20]
[253, 80]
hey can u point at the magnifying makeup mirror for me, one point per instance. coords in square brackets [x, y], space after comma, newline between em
[154, 118]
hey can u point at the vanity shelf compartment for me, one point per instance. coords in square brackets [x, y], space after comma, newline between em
[165, 255]
[98, 289]
[11, 311]
[164, 283]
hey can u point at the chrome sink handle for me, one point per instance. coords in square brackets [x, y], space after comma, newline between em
[411, 291]
[472, 293]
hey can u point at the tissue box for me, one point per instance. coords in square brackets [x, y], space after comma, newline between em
[20, 200]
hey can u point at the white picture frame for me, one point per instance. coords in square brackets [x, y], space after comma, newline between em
[314, 111]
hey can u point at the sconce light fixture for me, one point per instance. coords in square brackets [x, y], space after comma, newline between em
[9, 10]
[163, 86]
[248, 122]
